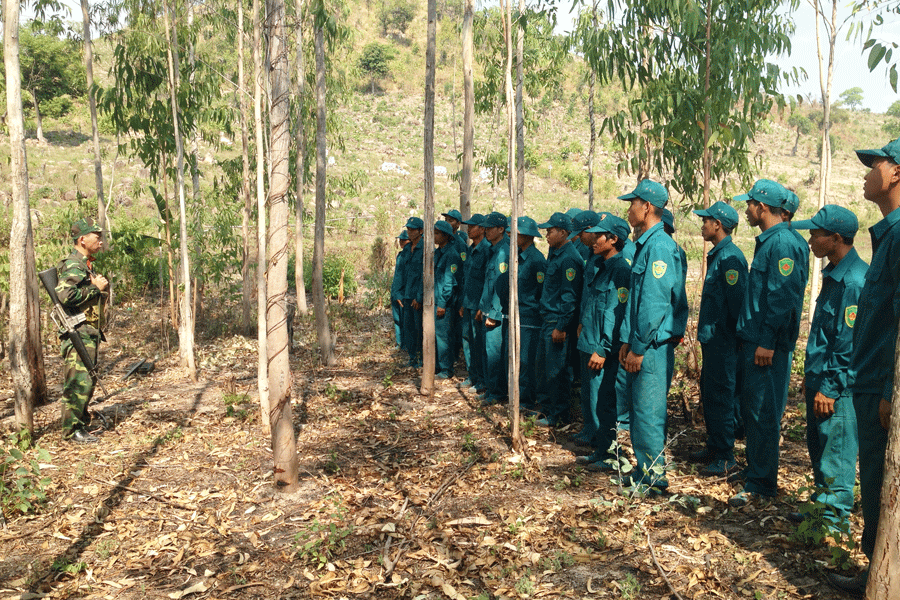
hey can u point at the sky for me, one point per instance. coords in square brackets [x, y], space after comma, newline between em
[851, 69]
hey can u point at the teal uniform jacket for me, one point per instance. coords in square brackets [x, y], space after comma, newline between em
[657, 285]
[446, 289]
[397, 284]
[831, 333]
[532, 267]
[602, 315]
[875, 332]
[723, 292]
[463, 240]
[681, 304]
[497, 264]
[412, 279]
[773, 306]
[462, 248]
[628, 252]
[473, 279]
[562, 281]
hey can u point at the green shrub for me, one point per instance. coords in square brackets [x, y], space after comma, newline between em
[573, 176]
[21, 484]
[396, 15]
[132, 261]
[335, 266]
[57, 107]
[378, 290]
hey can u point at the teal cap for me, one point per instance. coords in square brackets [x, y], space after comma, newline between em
[83, 227]
[721, 212]
[443, 226]
[891, 152]
[792, 202]
[766, 191]
[403, 235]
[649, 191]
[528, 226]
[415, 223]
[573, 212]
[559, 220]
[494, 219]
[612, 224]
[585, 219]
[453, 214]
[833, 218]
[475, 219]
[668, 219]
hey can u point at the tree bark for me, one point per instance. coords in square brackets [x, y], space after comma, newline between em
[25, 357]
[520, 117]
[468, 53]
[592, 84]
[428, 341]
[246, 256]
[707, 157]
[323, 329]
[95, 133]
[262, 373]
[300, 166]
[186, 322]
[38, 119]
[284, 443]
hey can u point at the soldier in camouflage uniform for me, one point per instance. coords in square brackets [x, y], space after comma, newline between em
[81, 290]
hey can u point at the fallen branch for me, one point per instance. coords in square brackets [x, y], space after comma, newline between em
[660, 569]
[162, 499]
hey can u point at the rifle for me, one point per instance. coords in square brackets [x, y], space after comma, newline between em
[68, 322]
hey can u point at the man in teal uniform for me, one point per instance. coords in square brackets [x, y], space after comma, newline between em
[460, 241]
[830, 418]
[559, 304]
[81, 290]
[454, 217]
[413, 292]
[490, 310]
[397, 290]
[648, 354]
[721, 302]
[599, 340]
[681, 306]
[446, 298]
[586, 382]
[582, 241]
[874, 338]
[473, 285]
[532, 267]
[768, 327]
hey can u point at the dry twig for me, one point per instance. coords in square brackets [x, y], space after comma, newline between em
[660, 569]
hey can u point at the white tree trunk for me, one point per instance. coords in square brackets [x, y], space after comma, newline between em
[299, 167]
[246, 257]
[25, 356]
[92, 105]
[468, 53]
[428, 341]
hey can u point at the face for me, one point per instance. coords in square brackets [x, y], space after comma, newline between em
[414, 235]
[523, 241]
[476, 232]
[637, 212]
[604, 243]
[587, 239]
[92, 243]
[710, 229]
[822, 243]
[494, 234]
[441, 238]
[754, 213]
[883, 175]
[556, 237]
[453, 222]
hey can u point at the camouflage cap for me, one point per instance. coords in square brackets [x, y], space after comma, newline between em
[83, 227]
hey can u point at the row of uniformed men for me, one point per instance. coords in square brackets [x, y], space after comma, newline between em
[617, 310]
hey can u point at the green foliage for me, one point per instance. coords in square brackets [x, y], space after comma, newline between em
[133, 259]
[880, 50]
[50, 65]
[21, 485]
[57, 107]
[378, 290]
[629, 587]
[817, 528]
[238, 406]
[892, 125]
[335, 269]
[375, 60]
[396, 15]
[320, 541]
[852, 97]
[573, 176]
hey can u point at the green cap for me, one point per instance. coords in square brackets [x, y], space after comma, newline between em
[403, 235]
[528, 226]
[415, 223]
[443, 226]
[83, 227]
[477, 219]
[649, 191]
[833, 218]
[583, 220]
[453, 214]
[558, 220]
[668, 219]
[721, 212]
[494, 219]
[890, 152]
[766, 191]
[612, 224]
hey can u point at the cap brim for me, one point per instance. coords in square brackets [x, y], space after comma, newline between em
[867, 157]
[546, 225]
[742, 197]
[804, 224]
[702, 213]
[596, 229]
[629, 196]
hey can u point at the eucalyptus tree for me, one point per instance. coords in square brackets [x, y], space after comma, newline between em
[300, 92]
[468, 57]
[25, 357]
[428, 315]
[92, 106]
[588, 22]
[247, 208]
[884, 14]
[703, 84]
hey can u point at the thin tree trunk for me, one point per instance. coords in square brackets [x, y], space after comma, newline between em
[323, 329]
[38, 119]
[468, 52]
[170, 252]
[592, 84]
[194, 164]
[428, 342]
[25, 357]
[284, 443]
[520, 114]
[300, 166]
[186, 322]
[262, 374]
[246, 257]
[92, 105]
[707, 157]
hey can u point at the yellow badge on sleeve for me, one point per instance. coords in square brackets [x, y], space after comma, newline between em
[850, 316]
[622, 293]
[453, 268]
[731, 276]
[503, 267]
[462, 255]
[570, 274]
[540, 277]
[659, 268]
[785, 266]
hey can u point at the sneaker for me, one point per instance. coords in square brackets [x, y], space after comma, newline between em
[719, 468]
[465, 383]
[854, 586]
[442, 376]
[80, 436]
[544, 422]
[742, 499]
[795, 517]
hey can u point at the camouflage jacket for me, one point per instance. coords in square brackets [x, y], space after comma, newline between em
[78, 294]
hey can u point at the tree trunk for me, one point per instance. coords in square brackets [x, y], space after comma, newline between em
[186, 322]
[284, 443]
[194, 164]
[428, 341]
[707, 157]
[468, 52]
[38, 119]
[520, 117]
[592, 84]
[262, 373]
[323, 329]
[300, 166]
[26, 360]
[246, 257]
[95, 133]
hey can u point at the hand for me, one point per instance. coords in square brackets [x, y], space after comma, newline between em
[763, 357]
[100, 282]
[884, 414]
[596, 361]
[803, 387]
[479, 316]
[633, 362]
[823, 407]
[416, 305]
[558, 336]
[460, 313]
[490, 322]
[623, 352]
[400, 302]
[441, 312]
[578, 333]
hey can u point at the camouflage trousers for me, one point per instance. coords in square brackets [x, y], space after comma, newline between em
[79, 385]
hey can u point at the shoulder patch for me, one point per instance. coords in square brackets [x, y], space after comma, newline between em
[453, 268]
[659, 268]
[462, 255]
[786, 266]
[570, 274]
[850, 316]
[731, 276]
[503, 267]
[540, 277]
[628, 260]
[622, 294]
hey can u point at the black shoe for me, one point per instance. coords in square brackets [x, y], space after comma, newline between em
[738, 476]
[796, 517]
[854, 586]
[704, 455]
[80, 436]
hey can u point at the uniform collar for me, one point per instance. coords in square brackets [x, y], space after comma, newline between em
[718, 247]
[840, 270]
[650, 232]
[762, 237]
[881, 227]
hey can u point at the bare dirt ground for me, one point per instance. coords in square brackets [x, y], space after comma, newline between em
[401, 496]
